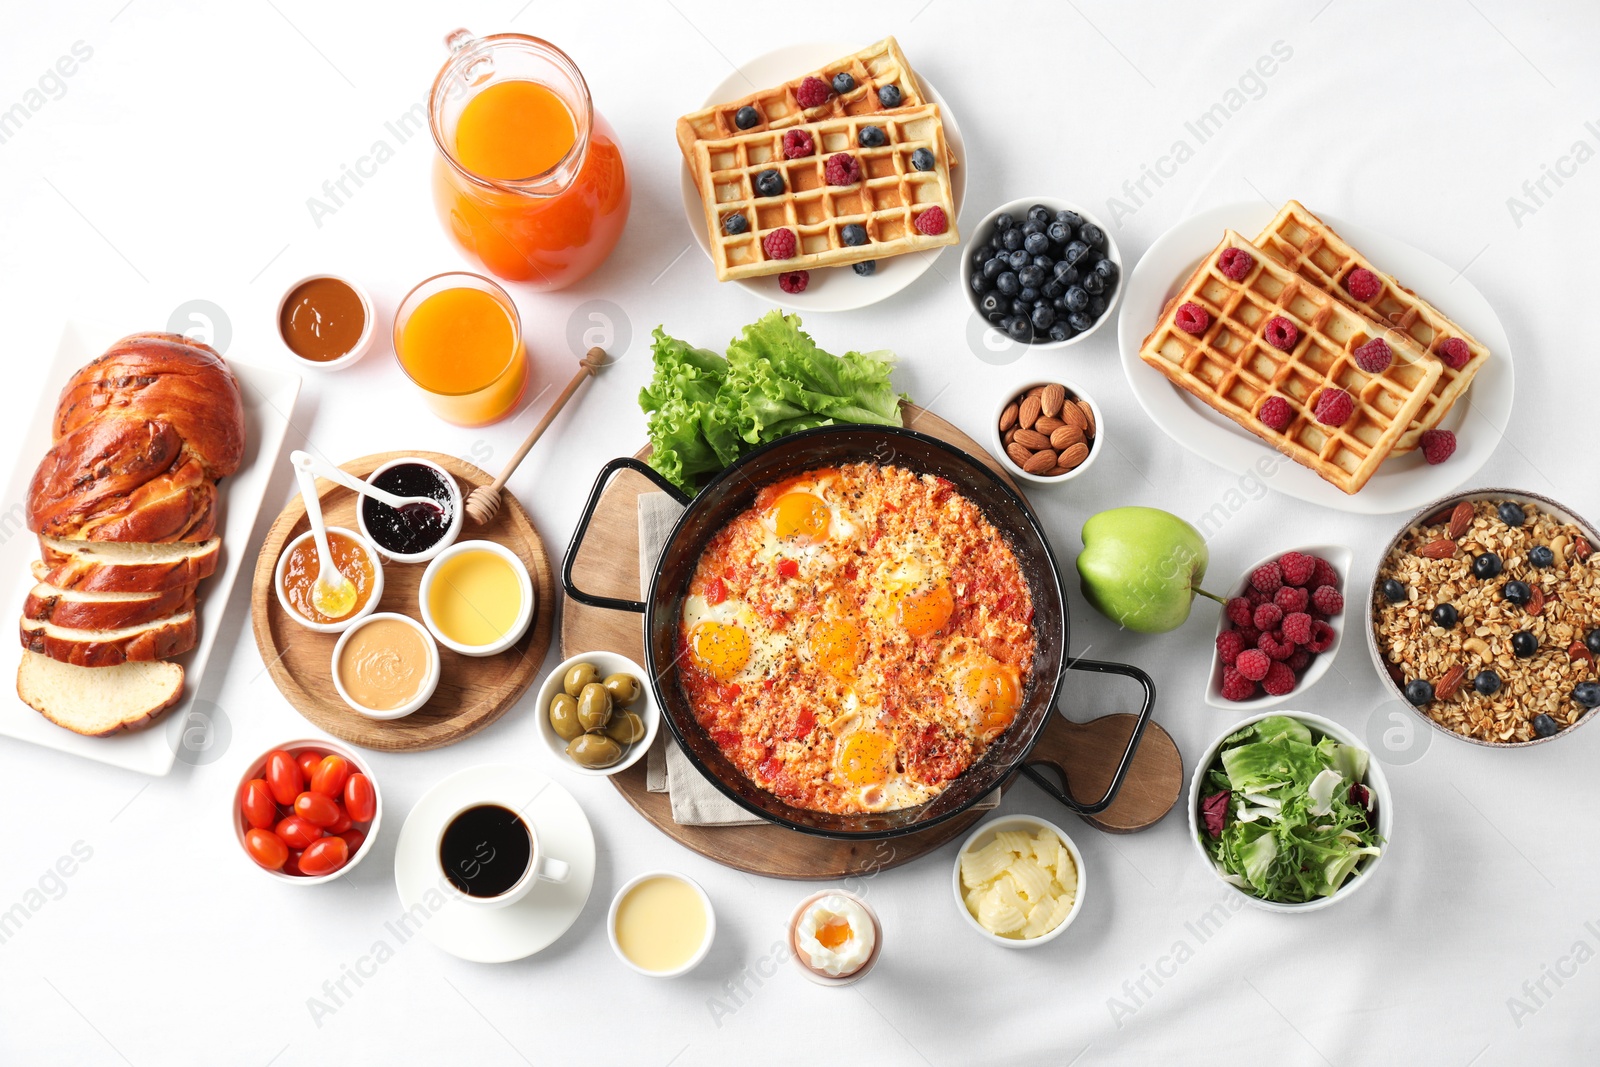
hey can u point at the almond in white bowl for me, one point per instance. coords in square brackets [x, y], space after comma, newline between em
[1047, 432]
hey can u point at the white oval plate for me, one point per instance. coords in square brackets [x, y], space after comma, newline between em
[830, 288]
[495, 935]
[1402, 483]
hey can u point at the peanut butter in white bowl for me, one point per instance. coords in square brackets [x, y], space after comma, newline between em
[386, 666]
[835, 937]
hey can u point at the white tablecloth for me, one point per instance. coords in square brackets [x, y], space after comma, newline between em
[175, 163]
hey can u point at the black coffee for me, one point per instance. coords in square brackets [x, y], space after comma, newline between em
[485, 850]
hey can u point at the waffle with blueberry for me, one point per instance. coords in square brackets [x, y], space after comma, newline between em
[1315, 379]
[873, 80]
[1311, 248]
[841, 191]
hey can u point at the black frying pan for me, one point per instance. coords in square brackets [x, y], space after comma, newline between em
[734, 490]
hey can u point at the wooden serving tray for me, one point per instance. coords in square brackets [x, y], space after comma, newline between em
[473, 691]
[1088, 752]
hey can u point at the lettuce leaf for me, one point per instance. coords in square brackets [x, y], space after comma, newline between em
[680, 401]
[792, 376]
[706, 410]
[1297, 827]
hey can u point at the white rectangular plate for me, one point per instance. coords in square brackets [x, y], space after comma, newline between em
[269, 397]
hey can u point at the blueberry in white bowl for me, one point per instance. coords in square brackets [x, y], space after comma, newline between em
[1055, 271]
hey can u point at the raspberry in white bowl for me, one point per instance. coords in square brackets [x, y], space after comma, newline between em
[1280, 627]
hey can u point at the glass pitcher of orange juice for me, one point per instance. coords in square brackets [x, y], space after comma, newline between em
[529, 178]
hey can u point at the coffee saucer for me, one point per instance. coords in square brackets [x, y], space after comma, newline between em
[494, 935]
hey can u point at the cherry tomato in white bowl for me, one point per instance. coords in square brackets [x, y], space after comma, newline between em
[307, 811]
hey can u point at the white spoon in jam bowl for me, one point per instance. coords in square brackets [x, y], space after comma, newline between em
[304, 461]
[332, 594]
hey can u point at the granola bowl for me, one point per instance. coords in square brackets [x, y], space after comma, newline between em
[1495, 634]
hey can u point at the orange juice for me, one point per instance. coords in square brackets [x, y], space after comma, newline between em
[514, 130]
[529, 179]
[462, 344]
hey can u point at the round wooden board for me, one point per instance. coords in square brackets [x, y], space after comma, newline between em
[610, 567]
[473, 691]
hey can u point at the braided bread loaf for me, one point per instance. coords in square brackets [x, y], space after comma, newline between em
[141, 435]
[125, 506]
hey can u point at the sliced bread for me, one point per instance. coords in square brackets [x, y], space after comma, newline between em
[98, 701]
[170, 636]
[110, 567]
[76, 609]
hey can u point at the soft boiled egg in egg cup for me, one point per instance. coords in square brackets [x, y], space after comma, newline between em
[835, 938]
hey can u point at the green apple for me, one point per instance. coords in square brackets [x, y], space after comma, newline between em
[1141, 567]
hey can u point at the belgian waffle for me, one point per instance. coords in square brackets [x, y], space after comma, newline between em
[1232, 368]
[1310, 247]
[872, 68]
[889, 197]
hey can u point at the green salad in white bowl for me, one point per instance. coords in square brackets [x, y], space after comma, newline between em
[1290, 810]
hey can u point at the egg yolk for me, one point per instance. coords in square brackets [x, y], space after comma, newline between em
[836, 646]
[991, 694]
[926, 611]
[833, 933]
[721, 649]
[865, 758]
[801, 517]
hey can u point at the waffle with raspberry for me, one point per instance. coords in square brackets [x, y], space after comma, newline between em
[1225, 360]
[1308, 246]
[801, 226]
[872, 68]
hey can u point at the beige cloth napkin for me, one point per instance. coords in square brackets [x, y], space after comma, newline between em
[695, 801]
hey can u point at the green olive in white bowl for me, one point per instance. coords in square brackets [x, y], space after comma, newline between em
[572, 726]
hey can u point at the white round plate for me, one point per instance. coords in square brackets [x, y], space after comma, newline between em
[1402, 483]
[830, 288]
[496, 935]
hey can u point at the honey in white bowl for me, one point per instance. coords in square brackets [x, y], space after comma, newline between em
[475, 597]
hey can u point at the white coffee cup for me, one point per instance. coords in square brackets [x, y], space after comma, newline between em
[539, 868]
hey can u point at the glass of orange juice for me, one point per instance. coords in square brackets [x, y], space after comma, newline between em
[529, 178]
[459, 338]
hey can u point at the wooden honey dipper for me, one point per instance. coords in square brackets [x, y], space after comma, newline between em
[484, 502]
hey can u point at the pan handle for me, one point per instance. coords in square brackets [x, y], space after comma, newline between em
[1063, 792]
[600, 482]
